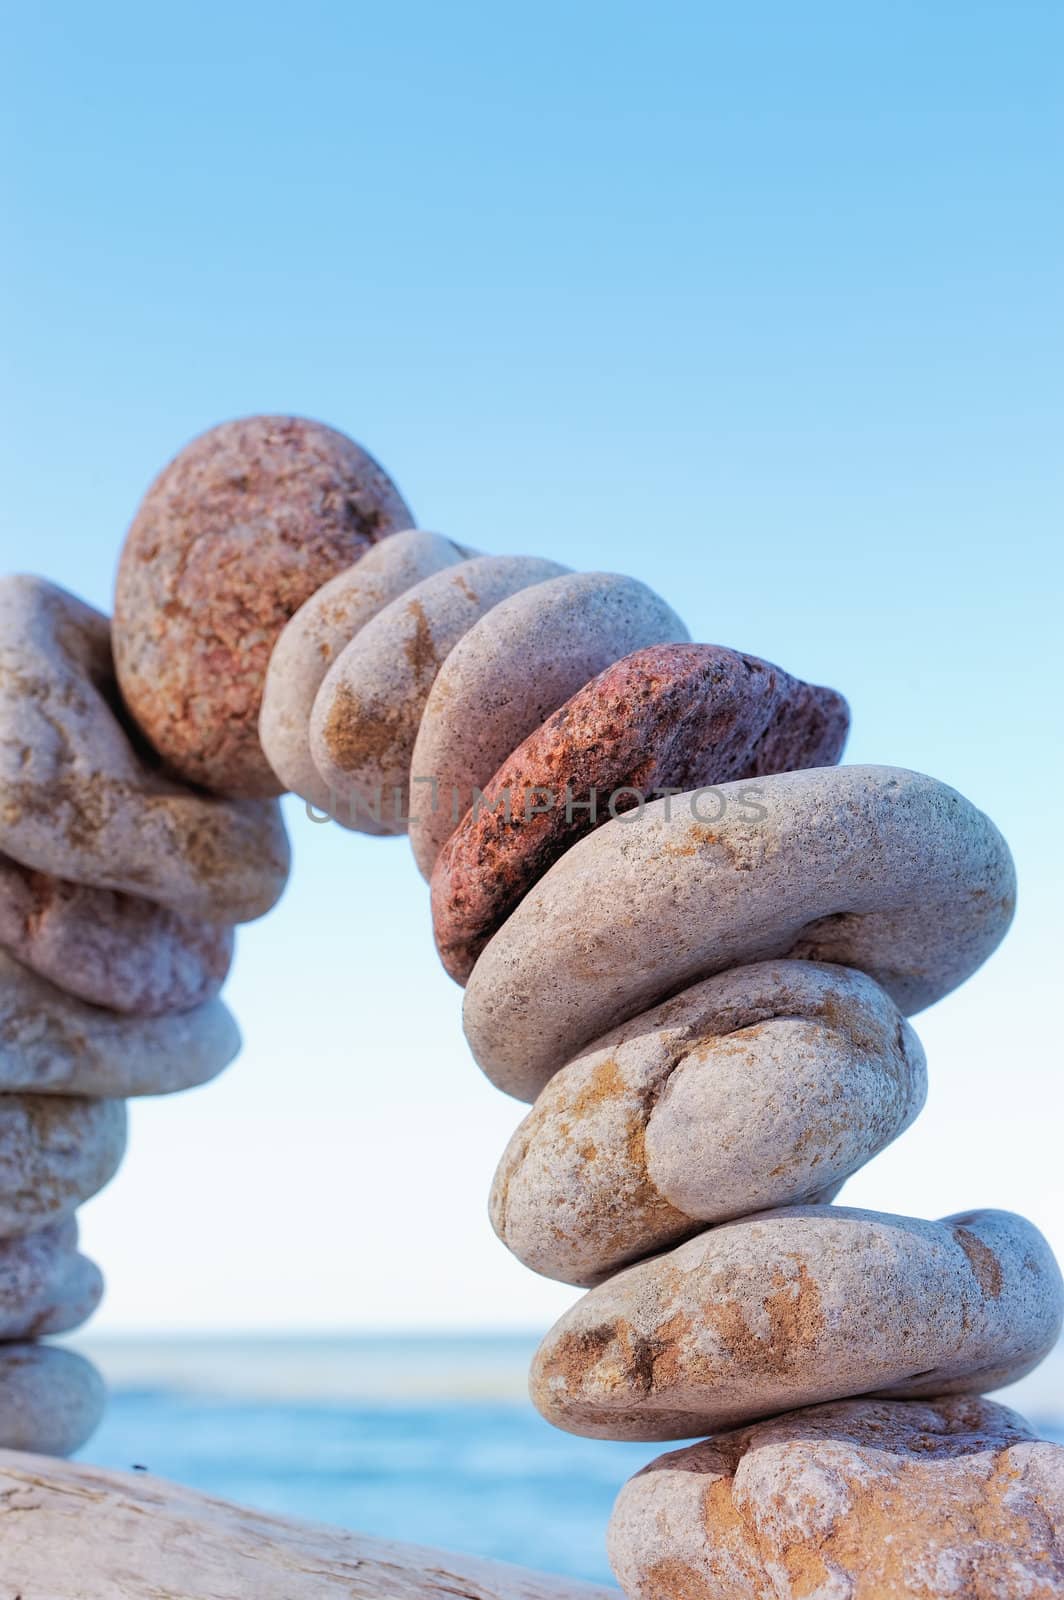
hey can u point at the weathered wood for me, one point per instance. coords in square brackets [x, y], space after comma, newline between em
[71, 1532]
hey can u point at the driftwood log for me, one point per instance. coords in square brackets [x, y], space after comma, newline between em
[70, 1532]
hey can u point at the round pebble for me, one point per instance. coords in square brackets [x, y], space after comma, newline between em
[516, 666]
[369, 707]
[764, 1086]
[51, 1400]
[55, 1152]
[114, 950]
[674, 717]
[311, 641]
[949, 1499]
[53, 1043]
[232, 537]
[876, 868]
[46, 1286]
[793, 1307]
[81, 800]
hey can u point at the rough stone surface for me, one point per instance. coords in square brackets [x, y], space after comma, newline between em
[949, 1499]
[46, 1287]
[230, 540]
[114, 950]
[133, 1536]
[876, 868]
[53, 1043]
[797, 1306]
[515, 667]
[765, 1086]
[81, 799]
[51, 1400]
[368, 709]
[55, 1152]
[310, 643]
[674, 717]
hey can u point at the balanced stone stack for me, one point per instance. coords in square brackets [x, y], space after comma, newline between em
[119, 888]
[692, 941]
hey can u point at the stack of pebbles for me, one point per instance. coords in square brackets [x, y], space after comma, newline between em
[119, 888]
[692, 941]
[121, 878]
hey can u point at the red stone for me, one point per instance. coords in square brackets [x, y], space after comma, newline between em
[674, 716]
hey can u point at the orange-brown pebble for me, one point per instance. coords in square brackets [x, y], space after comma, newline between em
[232, 537]
[862, 1500]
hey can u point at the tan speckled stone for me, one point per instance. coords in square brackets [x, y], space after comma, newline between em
[114, 950]
[51, 1399]
[310, 643]
[55, 1152]
[947, 1499]
[876, 868]
[517, 665]
[53, 1043]
[46, 1286]
[765, 1086]
[368, 709]
[231, 538]
[78, 799]
[793, 1307]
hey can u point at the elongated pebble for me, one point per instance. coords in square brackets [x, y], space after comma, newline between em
[517, 665]
[46, 1286]
[311, 641]
[876, 868]
[55, 1152]
[53, 1043]
[115, 950]
[764, 1086]
[243, 525]
[368, 709]
[51, 1399]
[793, 1307]
[79, 799]
[944, 1499]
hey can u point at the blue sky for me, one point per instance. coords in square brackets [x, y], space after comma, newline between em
[761, 304]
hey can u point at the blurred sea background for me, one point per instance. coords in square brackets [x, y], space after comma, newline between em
[428, 1439]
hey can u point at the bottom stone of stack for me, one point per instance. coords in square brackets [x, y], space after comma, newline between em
[855, 1500]
[51, 1399]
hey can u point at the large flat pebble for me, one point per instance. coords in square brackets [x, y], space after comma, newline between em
[876, 868]
[793, 1307]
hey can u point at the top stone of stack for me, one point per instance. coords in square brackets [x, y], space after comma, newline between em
[232, 537]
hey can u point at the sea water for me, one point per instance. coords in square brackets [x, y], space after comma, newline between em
[431, 1440]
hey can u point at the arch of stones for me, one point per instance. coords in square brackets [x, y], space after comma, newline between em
[687, 936]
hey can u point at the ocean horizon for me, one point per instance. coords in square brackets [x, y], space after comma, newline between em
[428, 1438]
